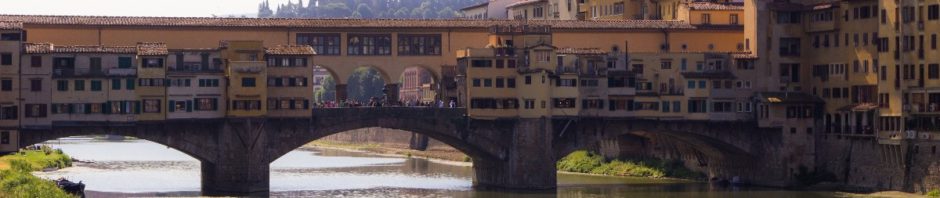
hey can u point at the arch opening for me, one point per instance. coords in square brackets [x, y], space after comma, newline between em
[367, 86]
[419, 87]
[324, 86]
[309, 167]
[117, 164]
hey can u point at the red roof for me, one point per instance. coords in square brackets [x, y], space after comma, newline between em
[714, 6]
[11, 25]
[334, 23]
[47, 48]
[290, 50]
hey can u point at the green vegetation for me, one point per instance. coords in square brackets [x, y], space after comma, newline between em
[327, 92]
[934, 193]
[416, 9]
[587, 162]
[15, 177]
[43, 158]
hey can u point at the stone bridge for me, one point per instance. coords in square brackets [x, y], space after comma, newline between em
[507, 153]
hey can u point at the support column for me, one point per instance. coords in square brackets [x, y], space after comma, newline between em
[419, 142]
[529, 165]
[392, 91]
[341, 93]
[235, 177]
[239, 166]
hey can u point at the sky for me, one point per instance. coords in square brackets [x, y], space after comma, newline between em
[170, 8]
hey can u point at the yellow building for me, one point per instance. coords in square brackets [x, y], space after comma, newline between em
[289, 70]
[151, 81]
[11, 38]
[246, 73]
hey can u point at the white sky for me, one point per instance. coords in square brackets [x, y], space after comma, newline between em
[178, 8]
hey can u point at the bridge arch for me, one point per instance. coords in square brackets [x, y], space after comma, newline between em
[160, 134]
[436, 124]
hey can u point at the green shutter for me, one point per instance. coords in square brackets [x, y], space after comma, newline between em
[189, 106]
[130, 84]
[215, 104]
[196, 104]
[106, 108]
[88, 108]
[171, 106]
[137, 107]
[116, 84]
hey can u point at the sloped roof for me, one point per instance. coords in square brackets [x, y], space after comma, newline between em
[581, 51]
[11, 25]
[47, 48]
[152, 49]
[485, 3]
[290, 50]
[334, 23]
[715, 6]
[525, 2]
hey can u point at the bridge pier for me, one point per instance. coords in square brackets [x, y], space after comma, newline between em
[341, 93]
[529, 163]
[418, 142]
[392, 91]
[235, 178]
[240, 165]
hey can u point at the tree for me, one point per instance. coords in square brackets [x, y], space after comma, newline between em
[327, 92]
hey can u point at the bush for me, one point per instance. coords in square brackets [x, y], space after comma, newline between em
[587, 162]
[20, 166]
[934, 193]
[580, 161]
[22, 184]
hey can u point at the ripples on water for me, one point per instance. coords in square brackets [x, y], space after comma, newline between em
[141, 168]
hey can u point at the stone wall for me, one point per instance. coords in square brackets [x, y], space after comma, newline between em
[385, 137]
[912, 166]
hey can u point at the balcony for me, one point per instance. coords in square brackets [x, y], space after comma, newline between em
[249, 69]
[122, 72]
[566, 70]
[76, 73]
[195, 69]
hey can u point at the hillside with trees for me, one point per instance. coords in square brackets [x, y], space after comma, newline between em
[365, 9]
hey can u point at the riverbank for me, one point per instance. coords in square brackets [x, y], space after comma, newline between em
[16, 179]
[449, 157]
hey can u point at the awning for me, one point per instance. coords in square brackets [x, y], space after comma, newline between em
[859, 107]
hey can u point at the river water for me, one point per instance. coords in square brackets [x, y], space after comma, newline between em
[142, 168]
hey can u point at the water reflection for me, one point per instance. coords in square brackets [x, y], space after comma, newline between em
[141, 168]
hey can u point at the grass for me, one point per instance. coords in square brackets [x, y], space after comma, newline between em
[934, 193]
[38, 159]
[15, 177]
[587, 162]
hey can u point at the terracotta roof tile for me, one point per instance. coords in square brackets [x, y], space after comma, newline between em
[290, 50]
[336, 23]
[11, 25]
[152, 49]
[47, 48]
[581, 51]
[714, 6]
